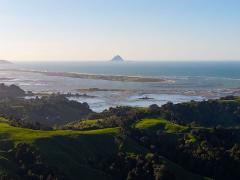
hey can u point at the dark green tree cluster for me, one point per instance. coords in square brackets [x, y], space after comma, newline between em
[10, 92]
[139, 167]
[205, 113]
[48, 111]
[30, 165]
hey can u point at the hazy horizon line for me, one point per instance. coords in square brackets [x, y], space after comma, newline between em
[126, 60]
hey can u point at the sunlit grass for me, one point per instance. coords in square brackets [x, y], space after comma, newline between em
[17, 134]
[190, 138]
[167, 125]
[89, 122]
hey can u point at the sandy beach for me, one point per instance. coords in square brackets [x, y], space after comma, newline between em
[121, 78]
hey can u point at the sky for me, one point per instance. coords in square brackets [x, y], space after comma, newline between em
[90, 30]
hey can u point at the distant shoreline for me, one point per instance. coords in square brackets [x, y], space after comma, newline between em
[5, 62]
[122, 78]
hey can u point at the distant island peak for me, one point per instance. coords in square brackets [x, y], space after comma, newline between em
[5, 62]
[117, 58]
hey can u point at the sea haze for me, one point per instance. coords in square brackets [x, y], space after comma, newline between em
[185, 81]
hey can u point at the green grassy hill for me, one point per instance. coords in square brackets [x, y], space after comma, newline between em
[151, 123]
[64, 148]
[72, 152]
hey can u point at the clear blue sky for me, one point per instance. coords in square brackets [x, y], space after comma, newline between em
[135, 29]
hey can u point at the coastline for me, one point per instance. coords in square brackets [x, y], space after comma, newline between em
[121, 78]
[101, 95]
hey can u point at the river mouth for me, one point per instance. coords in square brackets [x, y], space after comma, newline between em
[102, 91]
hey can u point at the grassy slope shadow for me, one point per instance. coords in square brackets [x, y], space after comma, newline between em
[74, 153]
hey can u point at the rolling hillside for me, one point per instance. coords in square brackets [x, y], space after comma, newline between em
[72, 152]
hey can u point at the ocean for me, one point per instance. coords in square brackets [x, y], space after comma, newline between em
[185, 81]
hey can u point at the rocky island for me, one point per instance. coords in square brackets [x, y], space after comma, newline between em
[117, 59]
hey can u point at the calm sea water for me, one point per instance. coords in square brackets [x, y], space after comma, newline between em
[189, 81]
[227, 69]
